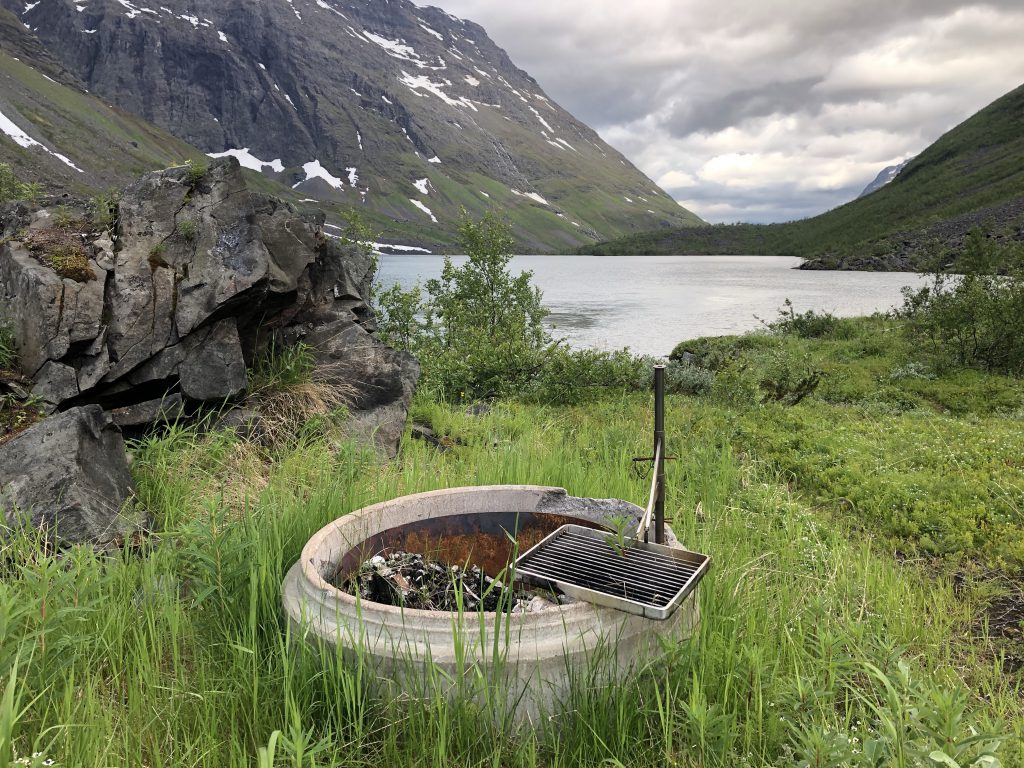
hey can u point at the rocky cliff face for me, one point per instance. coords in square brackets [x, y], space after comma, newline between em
[407, 112]
[168, 309]
[54, 132]
[158, 312]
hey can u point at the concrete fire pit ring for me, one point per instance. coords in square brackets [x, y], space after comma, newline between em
[537, 652]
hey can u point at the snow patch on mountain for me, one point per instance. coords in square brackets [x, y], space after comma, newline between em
[25, 141]
[430, 31]
[327, 7]
[424, 208]
[314, 170]
[543, 122]
[248, 160]
[398, 49]
[424, 83]
[381, 247]
[532, 195]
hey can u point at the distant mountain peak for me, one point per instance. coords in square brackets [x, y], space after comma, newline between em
[884, 177]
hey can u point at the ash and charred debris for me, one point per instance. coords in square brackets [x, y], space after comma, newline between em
[411, 580]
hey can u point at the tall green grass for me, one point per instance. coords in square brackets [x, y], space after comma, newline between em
[8, 347]
[812, 649]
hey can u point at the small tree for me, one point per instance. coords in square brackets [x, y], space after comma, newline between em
[479, 331]
[398, 317]
[357, 232]
[13, 189]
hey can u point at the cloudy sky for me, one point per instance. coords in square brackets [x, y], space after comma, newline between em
[763, 110]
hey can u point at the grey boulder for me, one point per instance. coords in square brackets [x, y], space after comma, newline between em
[50, 313]
[381, 381]
[163, 410]
[69, 476]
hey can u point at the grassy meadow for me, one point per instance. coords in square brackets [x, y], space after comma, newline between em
[860, 538]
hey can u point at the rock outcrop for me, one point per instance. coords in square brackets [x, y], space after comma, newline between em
[68, 476]
[383, 381]
[197, 277]
[935, 246]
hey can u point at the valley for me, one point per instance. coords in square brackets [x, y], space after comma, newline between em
[269, 268]
[407, 115]
[970, 180]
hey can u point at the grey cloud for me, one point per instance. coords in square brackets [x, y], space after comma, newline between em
[820, 94]
[729, 109]
[765, 206]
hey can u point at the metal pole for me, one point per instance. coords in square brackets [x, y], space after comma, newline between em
[659, 441]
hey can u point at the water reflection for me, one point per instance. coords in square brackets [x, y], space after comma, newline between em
[650, 303]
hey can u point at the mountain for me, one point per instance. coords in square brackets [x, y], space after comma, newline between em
[884, 177]
[53, 131]
[972, 178]
[408, 113]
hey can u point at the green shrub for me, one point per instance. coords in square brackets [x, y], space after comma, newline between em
[772, 375]
[912, 370]
[187, 229]
[718, 352]
[806, 325]
[973, 320]
[356, 232]
[398, 317]
[983, 256]
[104, 209]
[13, 189]
[63, 218]
[195, 171]
[786, 378]
[687, 379]
[573, 376]
[735, 384]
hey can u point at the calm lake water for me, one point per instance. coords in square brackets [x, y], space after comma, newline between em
[651, 303]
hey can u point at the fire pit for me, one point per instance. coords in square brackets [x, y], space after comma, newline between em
[527, 656]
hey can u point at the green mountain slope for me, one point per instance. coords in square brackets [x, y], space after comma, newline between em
[54, 132]
[971, 178]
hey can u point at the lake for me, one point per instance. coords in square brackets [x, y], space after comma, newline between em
[651, 303]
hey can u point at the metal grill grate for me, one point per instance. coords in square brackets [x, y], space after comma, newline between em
[646, 579]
